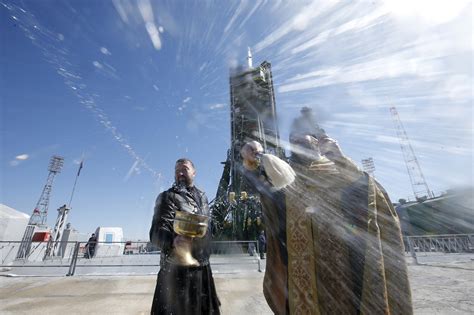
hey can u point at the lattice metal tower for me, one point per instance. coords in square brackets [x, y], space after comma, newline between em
[54, 242]
[418, 182]
[40, 213]
[253, 117]
[369, 166]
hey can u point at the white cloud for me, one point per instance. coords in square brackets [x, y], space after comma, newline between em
[317, 73]
[387, 67]
[97, 64]
[428, 147]
[351, 26]
[426, 11]
[387, 139]
[22, 157]
[187, 99]
[458, 87]
[299, 23]
[19, 159]
[105, 51]
[237, 12]
[217, 106]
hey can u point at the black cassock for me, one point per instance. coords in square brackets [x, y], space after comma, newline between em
[182, 290]
[185, 290]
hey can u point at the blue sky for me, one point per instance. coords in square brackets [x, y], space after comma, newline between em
[133, 85]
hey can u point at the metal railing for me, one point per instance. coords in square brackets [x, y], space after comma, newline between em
[108, 258]
[438, 245]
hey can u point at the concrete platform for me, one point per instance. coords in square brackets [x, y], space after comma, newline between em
[436, 290]
[116, 295]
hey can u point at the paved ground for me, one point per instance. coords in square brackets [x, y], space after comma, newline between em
[116, 295]
[440, 289]
[443, 289]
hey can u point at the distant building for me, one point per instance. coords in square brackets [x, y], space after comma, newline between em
[12, 223]
[109, 241]
[12, 227]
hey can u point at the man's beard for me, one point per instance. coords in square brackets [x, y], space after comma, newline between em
[183, 181]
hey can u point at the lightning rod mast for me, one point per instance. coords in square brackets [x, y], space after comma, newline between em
[418, 182]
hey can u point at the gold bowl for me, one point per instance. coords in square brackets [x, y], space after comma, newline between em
[190, 224]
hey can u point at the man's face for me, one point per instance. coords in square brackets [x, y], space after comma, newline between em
[250, 150]
[305, 146]
[184, 172]
[330, 149]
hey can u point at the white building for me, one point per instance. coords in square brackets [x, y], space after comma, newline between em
[109, 241]
[12, 226]
[12, 223]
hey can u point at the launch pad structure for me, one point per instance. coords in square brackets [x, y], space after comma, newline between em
[237, 211]
[253, 116]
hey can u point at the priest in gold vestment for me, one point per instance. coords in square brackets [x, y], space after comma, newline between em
[334, 239]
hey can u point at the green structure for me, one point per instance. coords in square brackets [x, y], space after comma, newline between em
[450, 213]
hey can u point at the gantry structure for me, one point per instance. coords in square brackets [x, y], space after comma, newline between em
[253, 116]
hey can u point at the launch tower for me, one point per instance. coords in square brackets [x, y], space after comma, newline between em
[252, 117]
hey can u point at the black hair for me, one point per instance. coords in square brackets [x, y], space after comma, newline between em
[184, 160]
